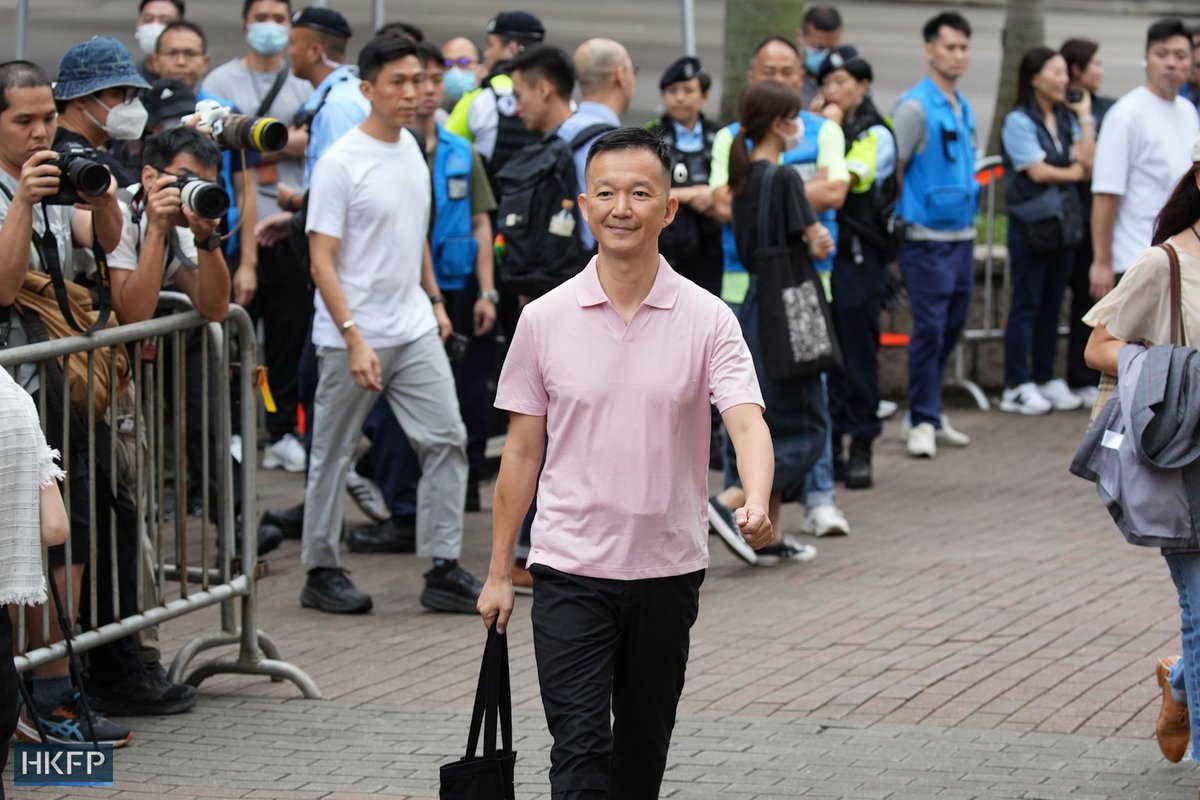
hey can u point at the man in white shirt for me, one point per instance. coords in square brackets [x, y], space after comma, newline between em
[1143, 150]
[379, 327]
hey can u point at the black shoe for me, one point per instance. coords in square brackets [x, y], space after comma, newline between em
[269, 537]
[141, 693]
[858, 466]
[472, 502]
[328, 589]
[289, 521]
[395, 535]
[455, 591]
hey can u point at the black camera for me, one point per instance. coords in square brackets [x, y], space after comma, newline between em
[1074, 95]
[83, 176]
[205, 198]
[456, 346]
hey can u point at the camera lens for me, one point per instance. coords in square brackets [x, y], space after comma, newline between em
[263, 134]
[206, 199]
[88, 177]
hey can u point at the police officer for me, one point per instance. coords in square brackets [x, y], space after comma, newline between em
[487, 116]
[692, 243]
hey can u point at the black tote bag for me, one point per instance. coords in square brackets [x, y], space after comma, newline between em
[795, 325]
[490, 776]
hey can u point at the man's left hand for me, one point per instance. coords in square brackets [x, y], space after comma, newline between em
[755, 525]
[101, 202]
[201, 227]
[485, 316]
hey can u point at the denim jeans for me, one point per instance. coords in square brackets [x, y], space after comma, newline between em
[1185, 571]
[1039, 281]
[818, 485]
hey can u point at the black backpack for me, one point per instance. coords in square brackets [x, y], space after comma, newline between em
[537, 183]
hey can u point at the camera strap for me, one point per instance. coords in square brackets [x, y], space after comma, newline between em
[264, 105]
[47, 249]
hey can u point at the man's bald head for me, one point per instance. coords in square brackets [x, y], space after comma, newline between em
[598, 65]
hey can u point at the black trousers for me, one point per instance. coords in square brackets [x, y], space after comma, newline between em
[1079, 374]
[284, 303]
[9, 688]
[619, 647]
[858, 289]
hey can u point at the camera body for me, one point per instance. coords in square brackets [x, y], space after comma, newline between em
[239, 131]
[204, 198]
[83, 175]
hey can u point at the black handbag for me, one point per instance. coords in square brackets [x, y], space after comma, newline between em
[490, 776]
[795, 325]
[1051, 220]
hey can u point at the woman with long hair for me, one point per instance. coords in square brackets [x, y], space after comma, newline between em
[1139, 310]
[1086, 68]
[859, 276]
[1048, 146]
[769, 125]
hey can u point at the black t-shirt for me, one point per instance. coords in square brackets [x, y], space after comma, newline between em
[789, 190]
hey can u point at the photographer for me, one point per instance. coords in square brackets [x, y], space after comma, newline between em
[28, 120]
[162, 234]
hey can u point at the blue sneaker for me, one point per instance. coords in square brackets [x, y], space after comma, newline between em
[720, 519]
[66, 725]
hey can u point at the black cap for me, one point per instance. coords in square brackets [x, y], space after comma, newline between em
[684, 69]
[168, 101]
[325, 20]
[845, 57]
[519, 24]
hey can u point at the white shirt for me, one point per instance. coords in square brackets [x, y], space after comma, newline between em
[374, 197]
[125, 256]
[1145, 147]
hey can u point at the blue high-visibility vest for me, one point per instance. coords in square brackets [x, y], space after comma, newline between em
[939, 189]
[452, 242]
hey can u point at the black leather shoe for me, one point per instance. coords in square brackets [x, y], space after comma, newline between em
[858, 465]
[289, 521]
[395, 535]
[328, 589]
[455, 591]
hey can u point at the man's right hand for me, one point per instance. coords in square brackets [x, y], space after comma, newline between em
[495, 602]
[273, 228]
[1100, 280]
[163, 203]
[364, 366]
[39, 179]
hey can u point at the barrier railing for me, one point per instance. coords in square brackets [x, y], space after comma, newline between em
[182, 566]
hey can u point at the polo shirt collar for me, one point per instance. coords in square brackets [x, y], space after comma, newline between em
[663, 293]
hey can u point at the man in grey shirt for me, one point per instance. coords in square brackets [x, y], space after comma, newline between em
[261, 83]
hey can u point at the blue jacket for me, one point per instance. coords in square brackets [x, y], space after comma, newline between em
[939, 189]
[452, 242]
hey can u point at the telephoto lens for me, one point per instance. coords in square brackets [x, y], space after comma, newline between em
[203, 197]
[263, 134]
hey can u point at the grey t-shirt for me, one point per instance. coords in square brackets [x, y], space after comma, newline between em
[59, 218]
[235, 82]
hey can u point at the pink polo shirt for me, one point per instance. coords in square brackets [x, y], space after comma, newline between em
[624, 491]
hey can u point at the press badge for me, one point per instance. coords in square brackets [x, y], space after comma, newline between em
[457, 188]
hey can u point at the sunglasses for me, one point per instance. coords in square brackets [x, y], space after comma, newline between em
[462, 61]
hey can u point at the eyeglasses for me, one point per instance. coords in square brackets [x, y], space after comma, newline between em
[462, 61]
[128, 93]
[190, 55]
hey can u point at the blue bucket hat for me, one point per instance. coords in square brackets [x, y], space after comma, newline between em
[92, 66]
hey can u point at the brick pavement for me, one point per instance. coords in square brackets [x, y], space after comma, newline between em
[983, 632]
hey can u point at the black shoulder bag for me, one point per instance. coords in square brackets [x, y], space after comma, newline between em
[795, 326]
[490, 776]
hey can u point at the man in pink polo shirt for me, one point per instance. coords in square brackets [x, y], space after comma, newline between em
[611, 376]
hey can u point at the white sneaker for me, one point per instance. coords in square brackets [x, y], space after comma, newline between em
[235, 447]
[1025, 399]
[825, 521]
[1087, 395]
[948, 435]
[286, 454]
[367, 495]
[1060, 395]
[922, 441]
[886, 409]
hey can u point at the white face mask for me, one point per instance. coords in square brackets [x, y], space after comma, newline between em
[125, 121]
[147, 36]
[792, 140]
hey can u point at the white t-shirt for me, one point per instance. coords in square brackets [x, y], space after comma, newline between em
[374, 197]
[1145, 147]
[133, 236]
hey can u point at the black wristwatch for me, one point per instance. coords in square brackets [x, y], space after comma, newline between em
[437, 299]
[213, 242]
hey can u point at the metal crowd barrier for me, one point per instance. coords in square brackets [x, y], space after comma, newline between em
[989, 174]
[184, 565]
